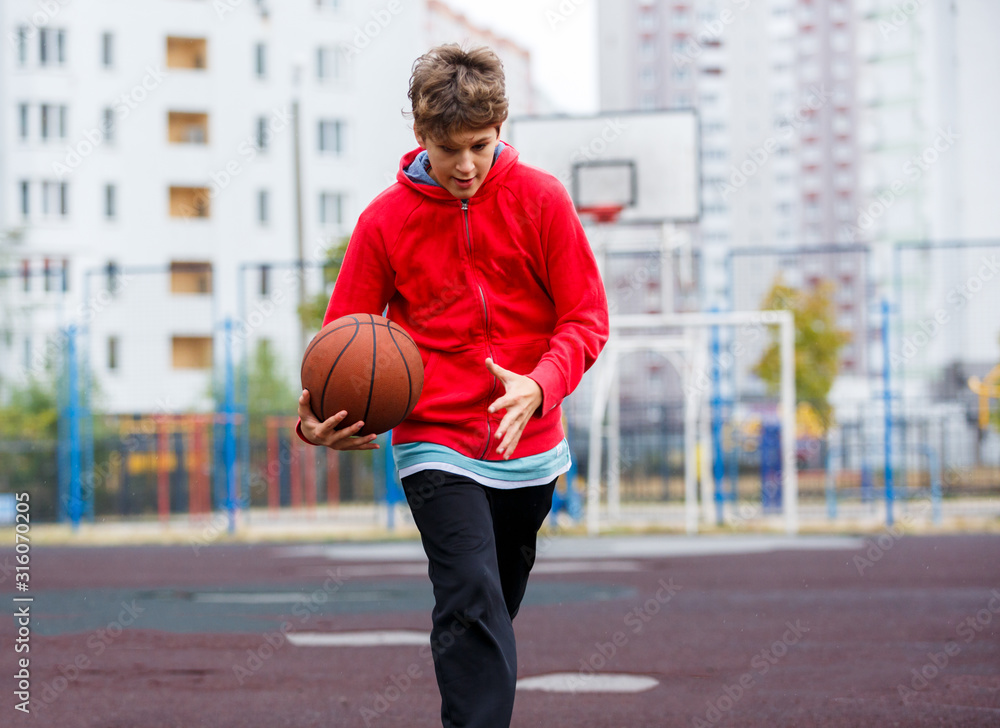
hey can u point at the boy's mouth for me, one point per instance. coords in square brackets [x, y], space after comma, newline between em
[464, 183]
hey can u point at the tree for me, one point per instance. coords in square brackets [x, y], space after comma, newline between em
[312, 311]
[818, 343]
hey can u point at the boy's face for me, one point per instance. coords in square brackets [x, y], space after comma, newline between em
[460, 164]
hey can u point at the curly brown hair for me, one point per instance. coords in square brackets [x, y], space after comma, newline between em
[454, 90]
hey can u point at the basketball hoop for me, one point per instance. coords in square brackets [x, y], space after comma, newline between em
[601, 213]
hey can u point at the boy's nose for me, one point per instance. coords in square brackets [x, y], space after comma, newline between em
[466, 165]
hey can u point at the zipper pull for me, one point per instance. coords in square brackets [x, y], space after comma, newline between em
[465, 205]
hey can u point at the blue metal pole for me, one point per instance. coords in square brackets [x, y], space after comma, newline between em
[230, 428]
[718, 472]
[887, 396]
[934, 465]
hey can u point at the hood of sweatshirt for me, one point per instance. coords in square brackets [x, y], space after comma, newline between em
[412, 172]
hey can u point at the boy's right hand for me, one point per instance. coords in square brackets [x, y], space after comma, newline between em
[323, 433]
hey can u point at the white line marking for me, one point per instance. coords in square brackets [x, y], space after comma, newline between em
[575, 682]
[382, 638]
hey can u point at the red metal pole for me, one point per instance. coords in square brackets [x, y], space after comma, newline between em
[310, 463]
[332, 477]
[296, 465]
[273, 466]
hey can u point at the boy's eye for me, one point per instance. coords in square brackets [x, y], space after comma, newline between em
[479, 147]
[447, 150]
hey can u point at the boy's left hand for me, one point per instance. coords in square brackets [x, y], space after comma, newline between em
[523, 396]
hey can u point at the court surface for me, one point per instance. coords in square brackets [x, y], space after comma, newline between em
[731, 631]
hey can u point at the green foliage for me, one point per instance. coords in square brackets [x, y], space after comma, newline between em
[818, 343]
[312, 311]
[31, 411]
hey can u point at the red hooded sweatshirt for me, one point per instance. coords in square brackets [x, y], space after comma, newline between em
[507, 274]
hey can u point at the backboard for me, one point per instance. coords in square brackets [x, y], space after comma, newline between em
[645, 161]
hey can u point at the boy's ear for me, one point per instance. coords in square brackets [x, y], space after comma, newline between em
[420, 139]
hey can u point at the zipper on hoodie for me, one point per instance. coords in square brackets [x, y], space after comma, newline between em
[486, 325]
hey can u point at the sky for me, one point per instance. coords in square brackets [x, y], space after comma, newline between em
[561, 35]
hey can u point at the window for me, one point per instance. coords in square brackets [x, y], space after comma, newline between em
[108, 124]
[647, 18]
[47, 121]
[647, 102]
[187, 128]
[328, 4]
[24, 114]
[110, 206]
[27, 351]
[192, 352]
[331, 136]
[191, 53]
[647, 77]
[190, 202]
[55, 199]
[112, 353]
[263, 207]
[22, 45]
[647, 48]
[328, 63]
[51, 47]
[108, 50]
[260, 60]
[263, 133]
[265, 280]
[190, 277]
[111, 277]
[47, 275]
[331, 208]
[25, 198]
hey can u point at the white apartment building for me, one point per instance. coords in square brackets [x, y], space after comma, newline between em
[148, 172]
[929, 158]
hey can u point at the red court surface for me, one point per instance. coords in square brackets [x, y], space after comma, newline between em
[814, 633]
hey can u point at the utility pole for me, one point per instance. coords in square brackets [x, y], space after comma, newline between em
[299, 243]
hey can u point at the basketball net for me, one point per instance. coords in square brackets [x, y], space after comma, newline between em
[601, 213]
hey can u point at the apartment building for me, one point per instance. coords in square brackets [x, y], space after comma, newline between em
[159, 160]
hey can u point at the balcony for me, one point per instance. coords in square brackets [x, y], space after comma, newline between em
[187, 128]
[190, 53]
[190, 202]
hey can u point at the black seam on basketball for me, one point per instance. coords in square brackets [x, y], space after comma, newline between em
[409, 379]
[322, 335]
[371, 383]
[357, 326]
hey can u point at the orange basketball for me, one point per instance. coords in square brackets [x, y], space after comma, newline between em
[366, 365]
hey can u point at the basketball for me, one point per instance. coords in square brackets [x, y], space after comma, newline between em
[366, 365]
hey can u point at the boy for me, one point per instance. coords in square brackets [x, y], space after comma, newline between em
[484, 262]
